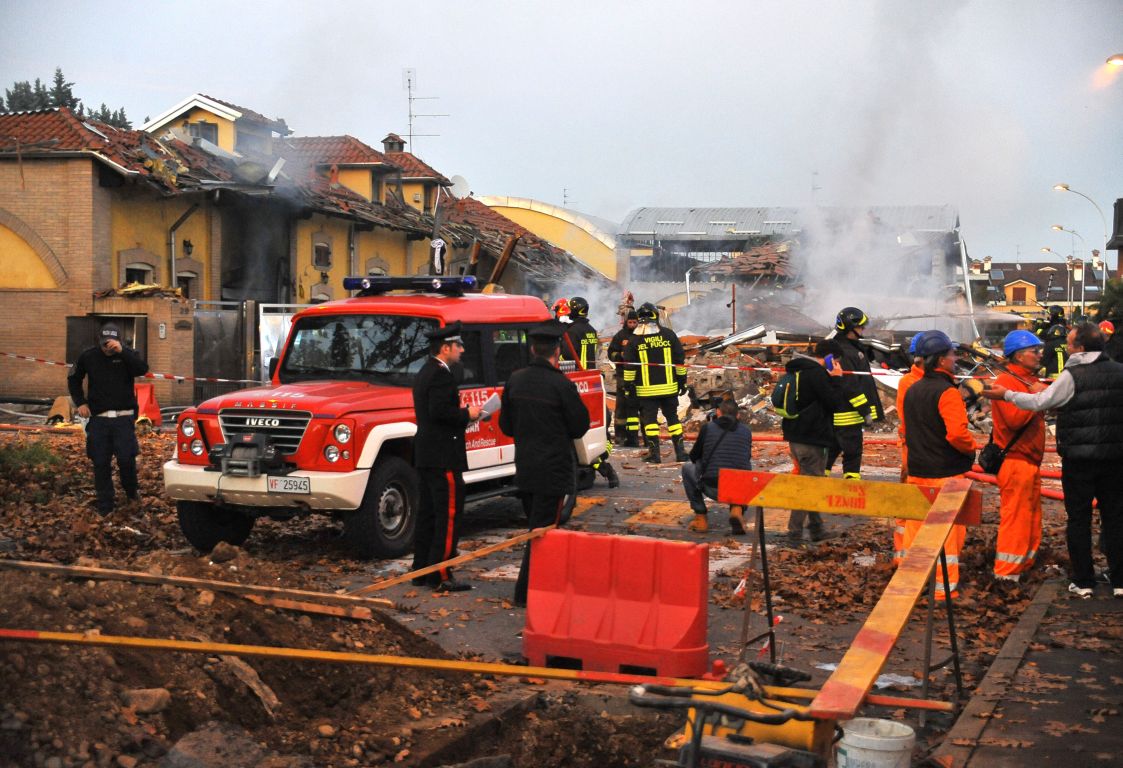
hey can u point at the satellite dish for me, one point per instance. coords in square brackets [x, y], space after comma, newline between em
[460, 187]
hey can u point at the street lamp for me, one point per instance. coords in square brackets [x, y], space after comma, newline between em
[1083, 278]
[1103, 221]
[1116, 60]
[688, 282]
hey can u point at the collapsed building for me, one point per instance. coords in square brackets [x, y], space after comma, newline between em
[209, 223]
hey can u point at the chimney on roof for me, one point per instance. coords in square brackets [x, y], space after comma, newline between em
[986, 264]
[976, 267]
[1097, 262]
[393, 143]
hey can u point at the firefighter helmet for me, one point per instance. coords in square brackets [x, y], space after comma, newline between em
[933, 343]
[578, 307]
[1016, 341]
[561, 307]
[647, 313]
[850, 318]
[1107, 328]
[1056, 314]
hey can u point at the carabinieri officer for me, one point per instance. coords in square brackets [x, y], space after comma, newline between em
[438, 455]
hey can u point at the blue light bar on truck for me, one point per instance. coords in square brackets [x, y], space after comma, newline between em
[376, 284]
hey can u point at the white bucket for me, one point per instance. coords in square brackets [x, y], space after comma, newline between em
[871, 743]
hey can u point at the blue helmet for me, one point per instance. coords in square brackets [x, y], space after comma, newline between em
[1018, 340]
[933, 343]
[912, 344]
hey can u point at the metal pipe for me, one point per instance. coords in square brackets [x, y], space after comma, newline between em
[967, 285]
[173, 283]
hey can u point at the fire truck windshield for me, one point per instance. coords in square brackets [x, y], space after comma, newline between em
[382, 349]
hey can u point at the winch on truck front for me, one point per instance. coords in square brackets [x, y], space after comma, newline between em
[333, 433]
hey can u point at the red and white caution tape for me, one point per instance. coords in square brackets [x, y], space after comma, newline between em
[149, 375]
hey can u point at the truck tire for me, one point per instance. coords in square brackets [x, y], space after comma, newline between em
[383, 525]
[204, 525]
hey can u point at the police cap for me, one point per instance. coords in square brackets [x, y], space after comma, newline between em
[546, 332]
[446, 334]
[109, 332]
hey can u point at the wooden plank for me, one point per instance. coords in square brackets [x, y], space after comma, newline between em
[849, 685]
[459, 560]
[87, 572]
[343, 611]
[835, 496]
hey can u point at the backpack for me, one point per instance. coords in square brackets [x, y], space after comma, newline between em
[785, 395]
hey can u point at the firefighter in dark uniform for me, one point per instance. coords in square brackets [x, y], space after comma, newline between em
[438, 455]
[1056, 350]
[110, 405]
[860, 393]
[542, 410]
[656, 373]
[579, 342]
[627, 409]
[1043, 324]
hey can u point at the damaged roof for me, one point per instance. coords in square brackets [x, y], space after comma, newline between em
[333, 150]
[467, 216]
[59, 131]
[770, 259]
[413, 168]
[219, 107]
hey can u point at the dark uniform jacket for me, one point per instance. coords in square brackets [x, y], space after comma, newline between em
[624, 338]
[1090, 425]
[1055, 354]
[440, 419]
[723, 443]
[818, 396]
[582, 337]
[542, 411]
[110, 386]
[659, 363]
[860, 391]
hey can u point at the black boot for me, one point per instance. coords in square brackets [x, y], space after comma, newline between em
[632, 441]
[607, 471]
[680, 449]
[652, 456]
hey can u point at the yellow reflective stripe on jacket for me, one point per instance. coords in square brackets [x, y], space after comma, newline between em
[859, 400]
[645, 369]
[848, 419]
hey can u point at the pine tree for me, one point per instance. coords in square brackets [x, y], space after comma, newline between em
[62, 92]
[20, 96]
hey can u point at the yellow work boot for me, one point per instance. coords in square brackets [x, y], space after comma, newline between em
[737, 520]
[698, 524]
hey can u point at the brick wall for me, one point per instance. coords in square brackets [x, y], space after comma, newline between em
[54, 199]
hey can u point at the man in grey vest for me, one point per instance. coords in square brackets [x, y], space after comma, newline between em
[724, 443]
[1088, 395]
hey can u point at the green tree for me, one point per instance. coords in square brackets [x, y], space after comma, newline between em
[26, 96]
[1111, 305]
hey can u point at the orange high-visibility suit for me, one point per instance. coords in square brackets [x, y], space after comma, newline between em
[953, 413]
[904, 531]
[1019, 479]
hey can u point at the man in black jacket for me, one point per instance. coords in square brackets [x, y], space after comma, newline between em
[110, 405]
[864, 404]
[809, 431]
[723, 443]
[543, 412]
[438, 455]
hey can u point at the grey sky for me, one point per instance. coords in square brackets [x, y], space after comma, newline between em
[984, 105]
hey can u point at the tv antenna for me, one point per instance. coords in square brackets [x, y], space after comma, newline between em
[814, 184]
[565, 197]
[409, 82]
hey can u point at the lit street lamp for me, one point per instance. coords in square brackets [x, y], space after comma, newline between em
[1103, 221]
[1116, 60]
[1081, 276]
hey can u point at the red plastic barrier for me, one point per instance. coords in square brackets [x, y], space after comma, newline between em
[618, 604]
[147, 407]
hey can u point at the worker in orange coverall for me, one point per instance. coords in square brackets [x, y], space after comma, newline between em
[1019, 479]
[938, 442]
[905, 530]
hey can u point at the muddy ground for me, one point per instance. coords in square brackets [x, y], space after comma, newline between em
[78, 706]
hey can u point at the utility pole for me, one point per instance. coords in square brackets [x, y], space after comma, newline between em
[409, 82]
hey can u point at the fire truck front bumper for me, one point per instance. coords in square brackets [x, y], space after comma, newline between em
[300, 489]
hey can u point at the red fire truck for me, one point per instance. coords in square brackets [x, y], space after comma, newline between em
[334, 431]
